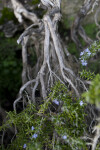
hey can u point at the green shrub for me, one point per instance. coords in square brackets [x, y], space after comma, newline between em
[93, 95]
[87, 75]
[54, 129]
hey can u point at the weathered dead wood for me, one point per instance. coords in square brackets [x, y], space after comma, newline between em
[20, 11]
[97, 22]
[77, 29]
[51, 63]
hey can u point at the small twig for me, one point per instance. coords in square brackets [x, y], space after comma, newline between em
[15, 102]
[78, 79]
[34, 89]
[25, 86]
[2, 137]
[20, 93]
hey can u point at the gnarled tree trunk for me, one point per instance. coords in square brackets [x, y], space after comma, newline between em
[54, 62]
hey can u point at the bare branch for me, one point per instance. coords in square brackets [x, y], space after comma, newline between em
[77, 28]
[20, 11]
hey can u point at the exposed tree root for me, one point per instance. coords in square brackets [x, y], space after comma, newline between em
[51, 64]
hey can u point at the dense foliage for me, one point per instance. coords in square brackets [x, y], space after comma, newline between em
[93, 95]
[55, 129]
